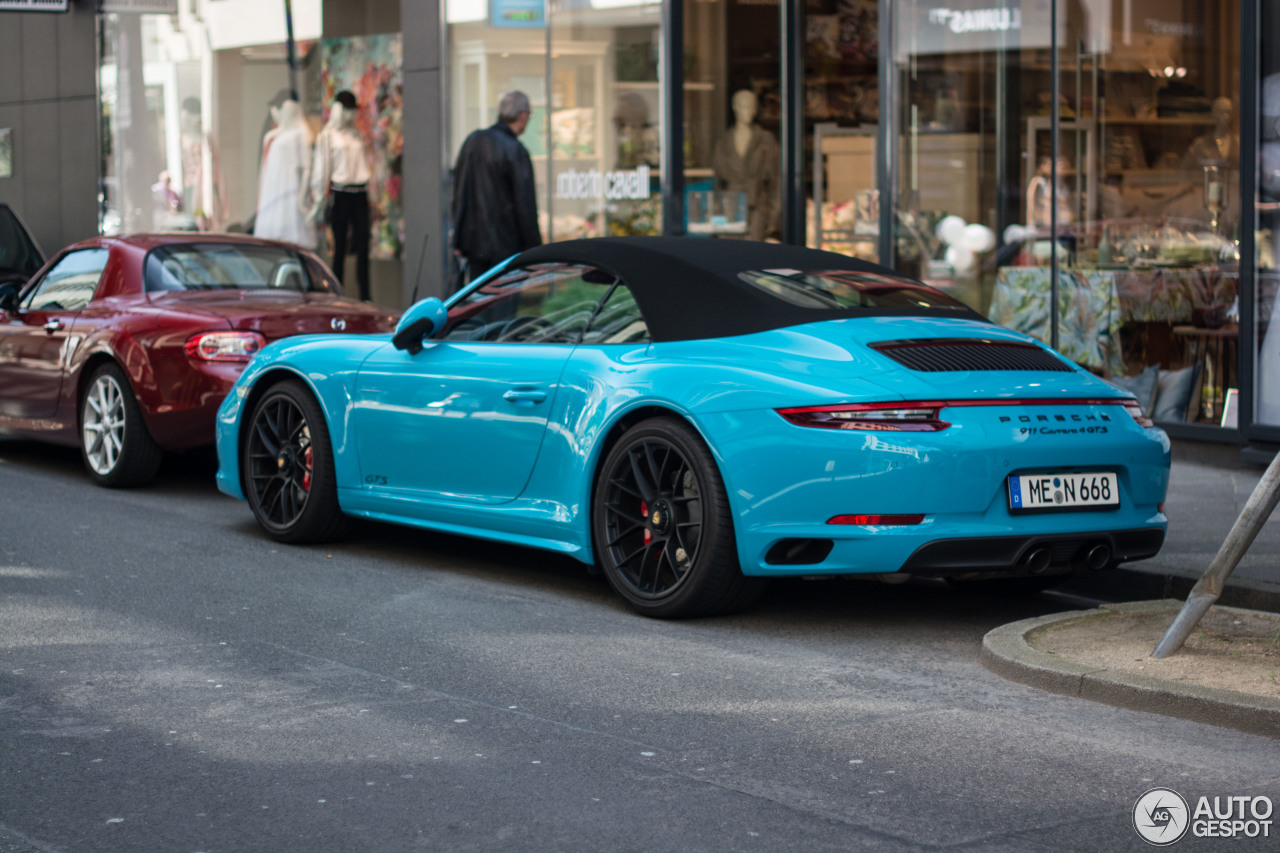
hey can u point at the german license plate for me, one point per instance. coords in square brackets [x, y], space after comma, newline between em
[1063, 491]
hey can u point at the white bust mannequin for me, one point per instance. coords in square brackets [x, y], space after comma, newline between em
[744, 113]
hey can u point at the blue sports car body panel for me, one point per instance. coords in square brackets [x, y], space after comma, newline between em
[504, 440]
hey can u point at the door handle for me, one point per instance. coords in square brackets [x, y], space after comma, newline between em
[525, 396]
[53, 326]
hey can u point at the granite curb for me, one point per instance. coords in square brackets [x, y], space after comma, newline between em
[1006, 652]
[1134, 584]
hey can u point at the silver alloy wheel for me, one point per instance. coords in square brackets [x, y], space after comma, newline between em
[104, 424]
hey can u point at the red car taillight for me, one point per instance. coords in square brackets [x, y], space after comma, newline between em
[876, 520]
[923, 416]
[882, 417]
[1135, 411]
[225, 346]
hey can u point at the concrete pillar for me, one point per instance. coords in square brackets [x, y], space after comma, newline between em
[425, 166]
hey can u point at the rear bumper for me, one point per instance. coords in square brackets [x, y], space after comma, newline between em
[1013, 554]
[785, 482]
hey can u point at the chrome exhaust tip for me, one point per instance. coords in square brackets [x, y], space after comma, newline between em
[1099, 557]
[1037, 562]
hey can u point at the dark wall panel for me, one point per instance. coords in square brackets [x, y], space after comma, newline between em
[77, 185]
[48, 99]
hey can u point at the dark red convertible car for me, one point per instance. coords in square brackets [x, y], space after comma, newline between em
[126, 346]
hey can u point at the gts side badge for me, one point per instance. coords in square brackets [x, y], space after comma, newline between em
[375, 480]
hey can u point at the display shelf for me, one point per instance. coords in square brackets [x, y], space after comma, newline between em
[689, 86]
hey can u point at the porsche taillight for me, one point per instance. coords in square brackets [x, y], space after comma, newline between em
[225, 346]
[878, 417]
[1135, 411]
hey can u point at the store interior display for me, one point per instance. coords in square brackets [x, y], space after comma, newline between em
[282, 181]
[1142, 183]
[746, 160]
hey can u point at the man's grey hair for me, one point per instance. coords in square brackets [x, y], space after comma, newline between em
[512, 105]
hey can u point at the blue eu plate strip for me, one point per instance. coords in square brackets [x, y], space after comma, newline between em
[1015, 493]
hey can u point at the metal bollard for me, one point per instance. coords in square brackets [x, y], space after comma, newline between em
[1207, 590]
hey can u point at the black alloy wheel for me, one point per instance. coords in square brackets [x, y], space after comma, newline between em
[286, 465]
[662, 527]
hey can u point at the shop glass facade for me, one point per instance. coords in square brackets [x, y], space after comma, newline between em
[591, 75]
[1070, 168]
[204, 126]
[186, 110]
[1266, 385]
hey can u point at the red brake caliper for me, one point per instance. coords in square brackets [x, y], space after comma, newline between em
[306, 478]
[644, 511]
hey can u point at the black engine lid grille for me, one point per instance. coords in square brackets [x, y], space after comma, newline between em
[936, 355]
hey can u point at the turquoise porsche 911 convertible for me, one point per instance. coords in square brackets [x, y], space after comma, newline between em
[696, 416]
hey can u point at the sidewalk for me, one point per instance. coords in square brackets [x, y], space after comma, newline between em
[1208, 488]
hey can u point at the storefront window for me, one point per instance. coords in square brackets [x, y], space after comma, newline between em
[841, 114]
[205, 128]
[606, 119]
[968, 78]
[490, 55]
[1267, 330]
[1149, 179]
[733, 115]
[188, 104]
[1142, 184]
[590, 70]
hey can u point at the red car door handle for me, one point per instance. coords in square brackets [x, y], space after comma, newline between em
[53, 326]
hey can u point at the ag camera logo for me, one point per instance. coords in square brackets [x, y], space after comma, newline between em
[1160, 816]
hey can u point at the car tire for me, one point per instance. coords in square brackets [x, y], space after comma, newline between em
[662, 527]
[286, 467]
[117, 449]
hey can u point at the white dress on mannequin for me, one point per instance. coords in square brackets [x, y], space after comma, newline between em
[281, 188]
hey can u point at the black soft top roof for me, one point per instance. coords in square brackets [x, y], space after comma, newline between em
[689, 287]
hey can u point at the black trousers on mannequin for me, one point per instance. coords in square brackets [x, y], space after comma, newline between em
[351, 213]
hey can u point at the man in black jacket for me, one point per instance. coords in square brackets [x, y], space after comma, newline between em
[495, 209]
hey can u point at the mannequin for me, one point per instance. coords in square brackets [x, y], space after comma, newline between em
[637, 140]
[746, 159]
[1039, 195]
[340, 174]
[209, 213]
[1218, 147]
[286, 153]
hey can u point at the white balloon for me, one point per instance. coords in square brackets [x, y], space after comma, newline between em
[1015, 234]
[951, 230]
[978, 238]
[960, 258]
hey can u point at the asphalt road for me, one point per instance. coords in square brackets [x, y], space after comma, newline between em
[172, 680]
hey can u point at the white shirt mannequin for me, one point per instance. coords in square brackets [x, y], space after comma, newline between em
[281, 212]
[341, 158]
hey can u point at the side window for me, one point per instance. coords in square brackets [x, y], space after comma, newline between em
[70, 285]
[539, 304]
[618, 321]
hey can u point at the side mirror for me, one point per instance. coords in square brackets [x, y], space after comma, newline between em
[8, 297]
[417, 323]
